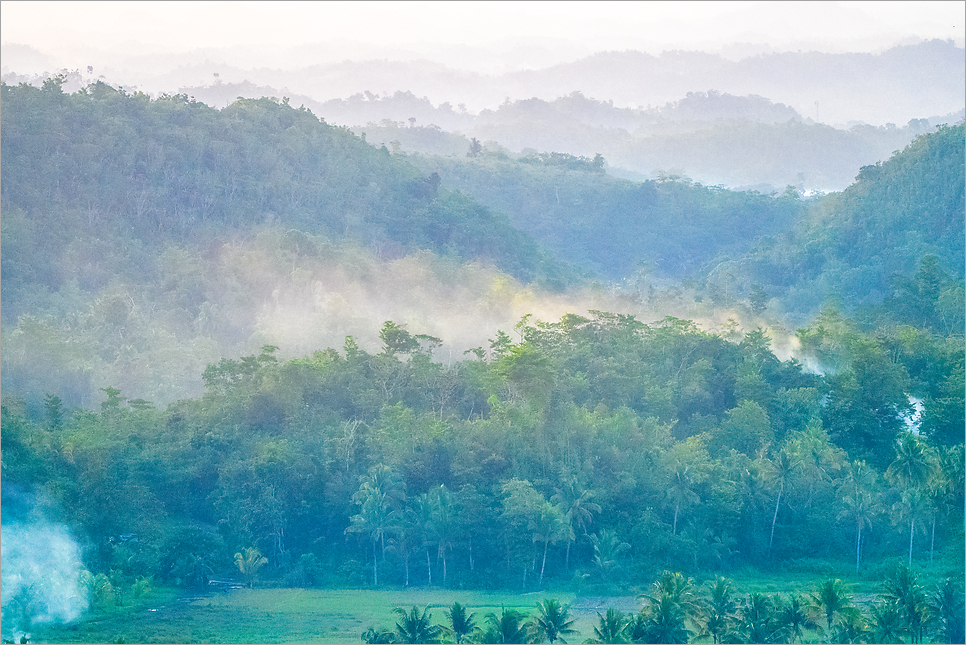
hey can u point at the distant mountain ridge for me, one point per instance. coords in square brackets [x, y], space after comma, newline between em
[901, 83]
[712, 137]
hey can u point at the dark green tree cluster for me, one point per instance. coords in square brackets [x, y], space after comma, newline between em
[599, 449]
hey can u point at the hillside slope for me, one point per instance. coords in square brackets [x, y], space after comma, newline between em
[143, 239]
[612, 226]
[896, 213]
[110, 166]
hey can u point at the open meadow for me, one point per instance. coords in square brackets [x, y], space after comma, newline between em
[341, 616]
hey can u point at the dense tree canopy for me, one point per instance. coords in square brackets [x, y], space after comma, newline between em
[596, 449]
[699, 453]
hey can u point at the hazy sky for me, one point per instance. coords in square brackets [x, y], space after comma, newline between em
[564, 29]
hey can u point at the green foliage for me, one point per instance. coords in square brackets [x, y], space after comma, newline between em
[903, 592]
[334, 616]
[249, 561]
[893, 240]
[115, 177]
[415, 627]
[509, 627]
[552, 621]
[831, 599]
[611, 628]
[461, 624]
[609, 225]
[946, 611]
[597, 448]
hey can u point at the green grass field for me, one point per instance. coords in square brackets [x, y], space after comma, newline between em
[292, 615]
[340, 616]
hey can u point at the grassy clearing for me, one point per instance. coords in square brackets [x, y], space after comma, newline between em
[292, 615]
[340, 616]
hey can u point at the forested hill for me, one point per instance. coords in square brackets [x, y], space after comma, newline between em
[614, 226]
[137, 173]
[854, 243]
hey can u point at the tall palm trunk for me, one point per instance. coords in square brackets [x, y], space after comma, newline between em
[375, 565]
[858, 546]
[912, 528]
[429, 568]
[546, 543]
[774, 518]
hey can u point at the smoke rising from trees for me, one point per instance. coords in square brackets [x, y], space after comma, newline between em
[42, 569]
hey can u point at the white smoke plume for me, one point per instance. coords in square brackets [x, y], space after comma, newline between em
[40, 569]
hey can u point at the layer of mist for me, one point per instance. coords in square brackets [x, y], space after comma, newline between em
[259, 292]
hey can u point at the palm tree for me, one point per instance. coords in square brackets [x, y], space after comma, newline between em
[665, 622]
[858, 507]
[813, 449]
[415, 627]
[680, 491]
[780, 470]
[607, 549]
[553, 621]
[755, 497]
[859, 478]
[887, 624]
[579, 511]
[376, 519]
[718, 609]
[912, 467]
[831, 598]
[443, 518]
[461, 625]
[677, 589]
[249, 561]
[380, 495]
[902, 590]
[946, 612]
[549, 525]
[637, 627]
[758, 621]
[940, 488]
[671, 602]
[857, 501]
[851, 627]
[407, 532]
[794, 617]
[424, 512]
[611, 628]
[508, 628]
[913, 505]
